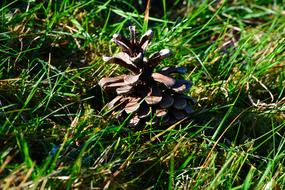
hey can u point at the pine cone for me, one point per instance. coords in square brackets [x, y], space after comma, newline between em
[147, 95]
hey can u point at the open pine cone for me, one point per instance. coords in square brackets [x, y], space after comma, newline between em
[151, 97]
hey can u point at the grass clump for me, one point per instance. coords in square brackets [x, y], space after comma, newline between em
[54, 130]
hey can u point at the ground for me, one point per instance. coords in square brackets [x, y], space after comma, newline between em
[56, 133]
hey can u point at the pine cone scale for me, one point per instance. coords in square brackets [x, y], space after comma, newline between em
[154, 96]
[133, 105]
[144, 111]
[124, 89]
[179, 103]
[167, 81]
[145, 39]
[166, 102]
[131, 79]
[120, 42]
[170, 70]
[122, 59]
[109, 80]
[111, 104]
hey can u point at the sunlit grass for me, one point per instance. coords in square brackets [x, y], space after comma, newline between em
[56, 133]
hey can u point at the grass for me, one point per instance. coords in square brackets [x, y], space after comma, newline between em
[56, 134]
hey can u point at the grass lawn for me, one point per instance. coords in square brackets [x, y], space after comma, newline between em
[55, 130]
